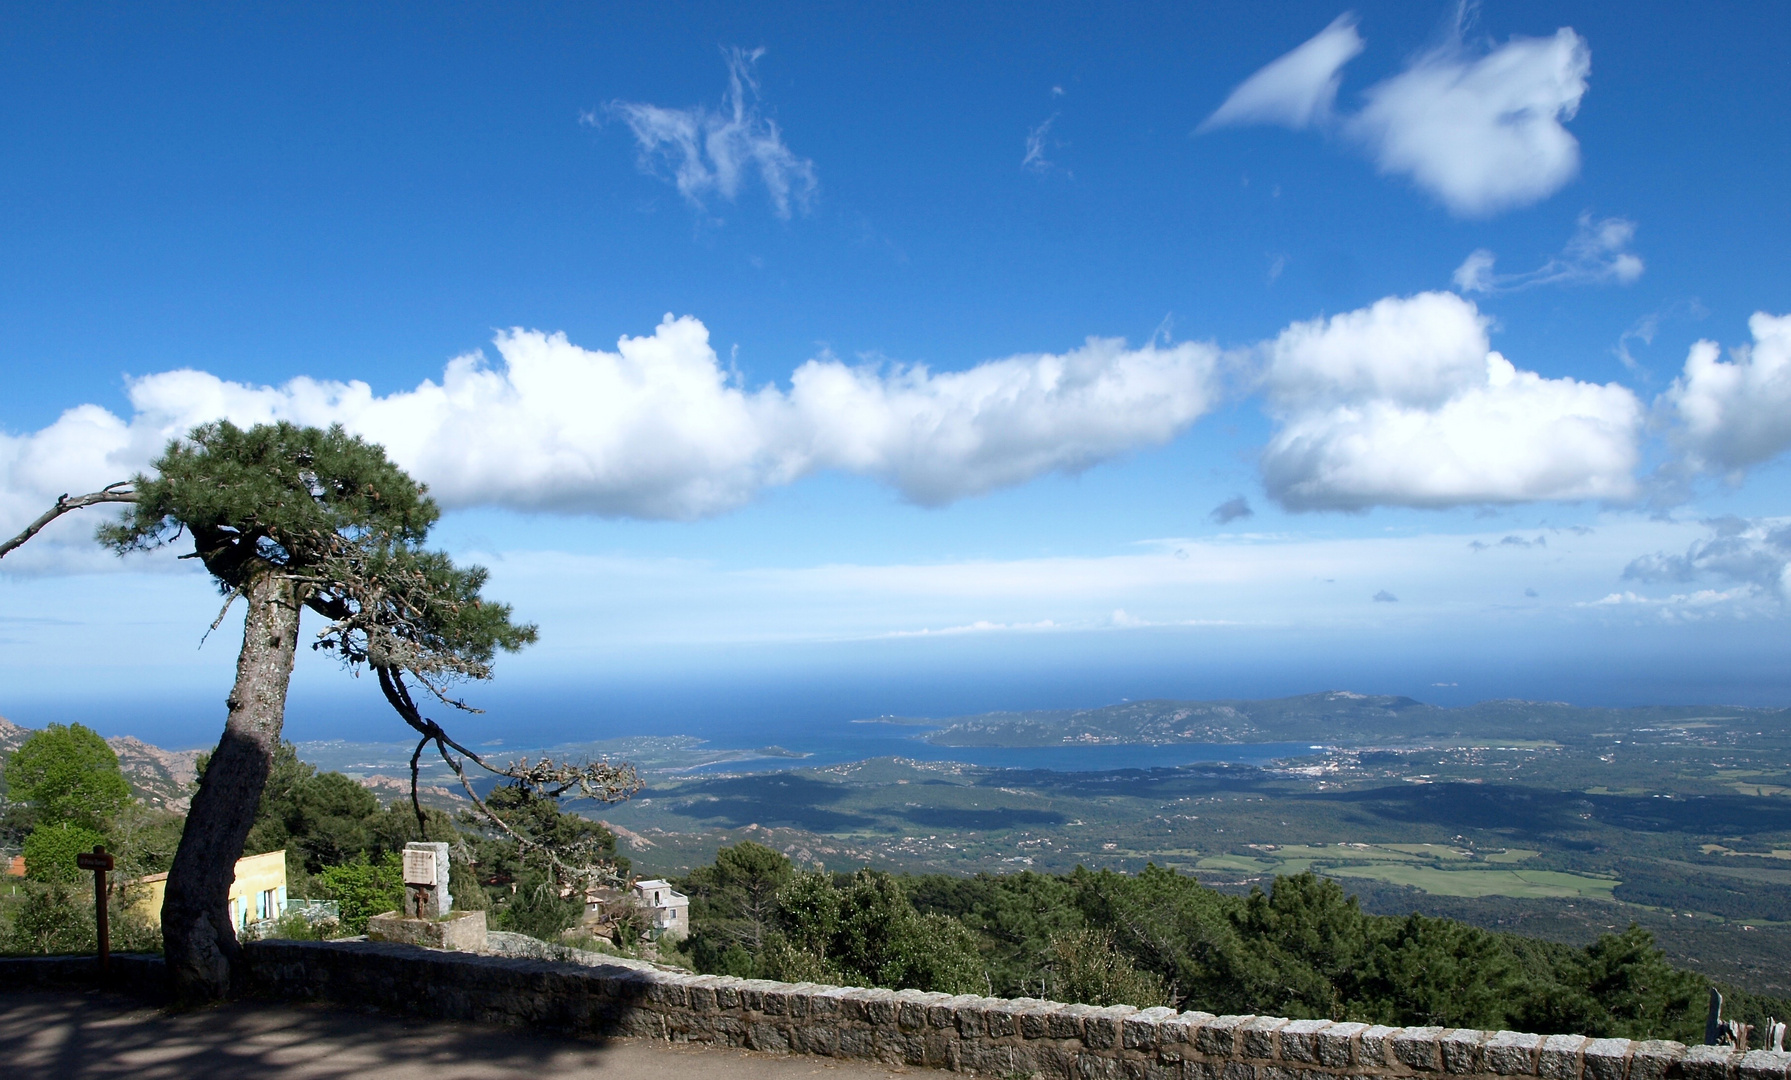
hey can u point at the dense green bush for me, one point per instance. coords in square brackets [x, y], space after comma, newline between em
[364, 888]
[68, 774]
[537, 909]
[51, 849]
[56, 918]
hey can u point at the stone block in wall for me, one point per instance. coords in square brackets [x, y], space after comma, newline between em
[1764, 1065]
[1182, 1028]
[1461, 1050]
[767, 1036]
[1158, 1070]
[944, 1014]
[1219, 1037]
[1559, 1058]
[1416, 1048]
[776, 1000]
[1299, 1040]
[667, 989]
[938, 1047]
[987, 1060]
[701, 994]
[1143, 1030]
[1053, 1060]
[1065, 1021]
[857, 1042]
[1606, 1059]
[804, 1001]
[1708, 1063]
[727, 991]
[1091, 1065]
[811, 1038]
[1259, 1037]
[1035, 1019]
[999, 1020]
[875, 1007]
[1335, 1045]
[915, 1006]
[1104, 1029]
[1374, 1046]
[1511, 1053]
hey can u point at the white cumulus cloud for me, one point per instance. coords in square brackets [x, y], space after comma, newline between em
[1481, 132]
[710, 151]
[1404, 403]
[1299, 89]
[1734, 414]
[658, 429]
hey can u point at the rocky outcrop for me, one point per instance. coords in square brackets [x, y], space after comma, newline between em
[161, 778]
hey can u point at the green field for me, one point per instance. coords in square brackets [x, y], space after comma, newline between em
[1415, 866]
[1520, 884]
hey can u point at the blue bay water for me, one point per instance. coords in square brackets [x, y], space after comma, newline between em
[833, 744]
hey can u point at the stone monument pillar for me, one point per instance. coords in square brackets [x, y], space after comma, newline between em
[426, 880]
[429, 918]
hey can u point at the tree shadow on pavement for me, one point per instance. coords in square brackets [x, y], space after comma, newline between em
[76, 1036]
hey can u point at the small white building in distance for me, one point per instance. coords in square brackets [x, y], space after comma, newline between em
[670, 909]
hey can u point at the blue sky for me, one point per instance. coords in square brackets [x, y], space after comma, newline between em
[977, 320]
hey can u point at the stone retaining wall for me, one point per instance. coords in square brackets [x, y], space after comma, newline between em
[991, 1036]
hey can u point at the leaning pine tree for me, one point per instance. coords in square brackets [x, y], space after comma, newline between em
[288, 518]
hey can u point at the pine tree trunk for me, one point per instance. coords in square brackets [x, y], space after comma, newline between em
[198, 936]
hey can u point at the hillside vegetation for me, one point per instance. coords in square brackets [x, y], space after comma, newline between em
[1302, 948]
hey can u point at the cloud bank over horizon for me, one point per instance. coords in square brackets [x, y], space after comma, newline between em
[658, 429]
[1403, 403]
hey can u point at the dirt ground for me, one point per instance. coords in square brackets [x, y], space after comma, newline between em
[73, 1036]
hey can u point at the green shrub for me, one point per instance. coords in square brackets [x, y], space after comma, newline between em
[536, 909]
[50, 851]
[363, 889]
[52, 919]
[1089, 969]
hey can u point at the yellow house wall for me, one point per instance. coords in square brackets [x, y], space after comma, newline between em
[255, 874]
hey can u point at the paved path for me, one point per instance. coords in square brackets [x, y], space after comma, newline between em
[74, 1036]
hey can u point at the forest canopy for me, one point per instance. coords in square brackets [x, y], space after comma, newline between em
[1301, 949]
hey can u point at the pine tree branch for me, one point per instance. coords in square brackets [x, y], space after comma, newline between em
[111, 493]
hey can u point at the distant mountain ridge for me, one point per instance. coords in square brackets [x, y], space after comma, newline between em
[164, 778]
[1330, 717]
[161, 778]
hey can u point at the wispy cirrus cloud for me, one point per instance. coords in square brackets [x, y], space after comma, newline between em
[1481, 130]
[1299, 90]
[1598, 252]
[1036, 159]
[710, 152]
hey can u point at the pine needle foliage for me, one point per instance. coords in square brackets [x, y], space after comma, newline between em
[330, 512]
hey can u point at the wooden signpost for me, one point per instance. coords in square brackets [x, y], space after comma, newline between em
[99, 862]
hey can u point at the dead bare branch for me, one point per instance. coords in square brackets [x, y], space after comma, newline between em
[111, 493]
[605, 781]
